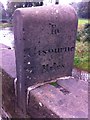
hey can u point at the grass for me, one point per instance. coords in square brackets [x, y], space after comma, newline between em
[4, 25]
[53, 83]
[81, 59]
[82, 22]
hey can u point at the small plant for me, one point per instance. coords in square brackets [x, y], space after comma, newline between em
[81, 59]
[84, 34]
[53, 83]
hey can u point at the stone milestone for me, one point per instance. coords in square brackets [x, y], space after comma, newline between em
[45, 42]
[44, 45]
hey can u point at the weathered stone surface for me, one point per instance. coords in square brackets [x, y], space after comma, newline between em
[7, 60]
[44, 45]
[81, 95]
[45, 42]
[80, 99]
[74, 84]
[50, 102]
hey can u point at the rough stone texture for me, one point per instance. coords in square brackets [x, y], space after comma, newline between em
[7, 55]
[74, 84]
[59, 102]
[44, 42]
[44, 45]
[7, 60]
[4, 115]
[9, 107]
[9, 100]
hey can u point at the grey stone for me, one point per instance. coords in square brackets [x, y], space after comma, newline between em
[7, 60]
[49, 102]
[73, 85]
[44, 42]
[44, 45]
